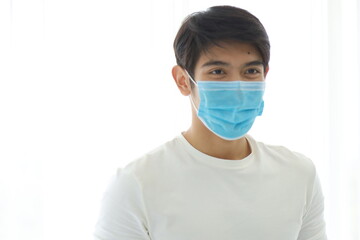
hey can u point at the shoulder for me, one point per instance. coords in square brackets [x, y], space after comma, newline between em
[153, 161]
[283, 157]
[128, 179]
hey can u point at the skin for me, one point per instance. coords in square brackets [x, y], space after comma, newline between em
[232, 61]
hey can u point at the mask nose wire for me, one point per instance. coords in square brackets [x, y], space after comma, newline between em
[191, 98]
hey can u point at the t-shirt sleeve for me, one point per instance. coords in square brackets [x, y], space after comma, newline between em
[313, 224]
[122, 214]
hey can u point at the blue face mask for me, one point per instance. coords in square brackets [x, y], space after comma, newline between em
[229, 108]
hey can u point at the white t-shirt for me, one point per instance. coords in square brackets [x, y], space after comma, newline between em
[176, 192]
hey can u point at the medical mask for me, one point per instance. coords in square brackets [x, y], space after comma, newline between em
[229, 108]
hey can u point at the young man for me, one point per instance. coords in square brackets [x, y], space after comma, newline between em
[214, 181]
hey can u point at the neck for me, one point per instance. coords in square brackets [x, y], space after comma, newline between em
[207, 142]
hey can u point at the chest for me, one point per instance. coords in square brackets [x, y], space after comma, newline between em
[231, 207]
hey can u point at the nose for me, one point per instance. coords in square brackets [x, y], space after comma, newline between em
[236, 76]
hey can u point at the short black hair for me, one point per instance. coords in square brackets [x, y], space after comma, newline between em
[201, 30]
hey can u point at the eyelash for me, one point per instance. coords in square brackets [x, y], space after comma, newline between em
[253, 70]
[212, 72]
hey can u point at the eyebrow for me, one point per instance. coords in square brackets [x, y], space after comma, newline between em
[254, 63]
[221, 63]
[215, 63]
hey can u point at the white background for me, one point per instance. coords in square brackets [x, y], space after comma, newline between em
[86, 87]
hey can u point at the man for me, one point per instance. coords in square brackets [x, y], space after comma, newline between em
[214, 181]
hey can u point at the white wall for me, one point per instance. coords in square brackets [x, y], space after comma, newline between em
[86, 87]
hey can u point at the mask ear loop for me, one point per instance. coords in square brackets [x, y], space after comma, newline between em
[191, 98]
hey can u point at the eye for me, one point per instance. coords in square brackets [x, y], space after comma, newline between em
[252, 71]
[217, 72]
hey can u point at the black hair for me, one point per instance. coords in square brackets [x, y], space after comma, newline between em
[201, 30]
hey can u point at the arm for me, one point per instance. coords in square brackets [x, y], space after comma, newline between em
[122, 215]
[313, 224]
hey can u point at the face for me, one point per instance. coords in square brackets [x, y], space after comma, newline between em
[232, 61]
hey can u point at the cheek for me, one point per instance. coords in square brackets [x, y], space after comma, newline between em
[195, 96]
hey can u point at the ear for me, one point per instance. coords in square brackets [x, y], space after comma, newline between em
[181, 79]
[266, 71]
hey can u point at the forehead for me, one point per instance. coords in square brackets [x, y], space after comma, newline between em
[234, 53]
